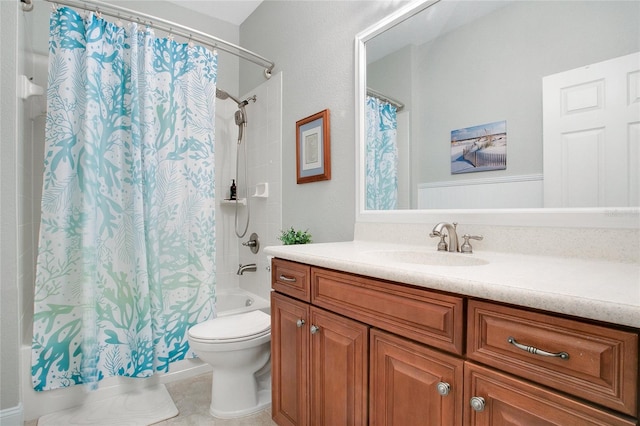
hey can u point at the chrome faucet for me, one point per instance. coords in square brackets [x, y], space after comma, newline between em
[453, 245]
[249, 267]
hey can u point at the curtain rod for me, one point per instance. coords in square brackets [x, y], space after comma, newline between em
[168, 26]
[399, 105]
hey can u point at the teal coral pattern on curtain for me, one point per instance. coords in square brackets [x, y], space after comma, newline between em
[126, 260]
[381, 155]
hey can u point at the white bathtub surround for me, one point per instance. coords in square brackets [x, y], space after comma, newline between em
[263, 139]
[140, 408]
[232, 301]
[589, 288]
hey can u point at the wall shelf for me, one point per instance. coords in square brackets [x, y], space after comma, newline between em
[262, 190]
[241, 201]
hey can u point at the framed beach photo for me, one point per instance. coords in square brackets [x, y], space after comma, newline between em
[313, 142]
[479, 148]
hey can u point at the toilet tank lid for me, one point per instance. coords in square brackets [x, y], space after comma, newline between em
[232, 326]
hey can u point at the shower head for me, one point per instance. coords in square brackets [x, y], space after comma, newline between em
[240, 115]
[221, 94]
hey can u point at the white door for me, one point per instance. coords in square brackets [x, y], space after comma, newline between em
[591, 131]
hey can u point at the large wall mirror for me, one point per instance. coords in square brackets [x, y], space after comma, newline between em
[509, 106]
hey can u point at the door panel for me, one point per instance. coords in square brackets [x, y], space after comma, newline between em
[339, 370]
[289, 361]
[404, 383]
[591, 145]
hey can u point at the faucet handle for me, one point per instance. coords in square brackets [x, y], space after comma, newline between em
[442, 245]
[466, 246]
[253, 243]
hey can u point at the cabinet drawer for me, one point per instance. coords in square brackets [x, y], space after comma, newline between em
[601, 364]
[427, 317]
[291, 278]
[509, 401]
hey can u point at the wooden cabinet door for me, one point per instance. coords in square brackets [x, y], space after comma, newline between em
[339, 370]
[412, 384]
[505, 400]
[289, 361]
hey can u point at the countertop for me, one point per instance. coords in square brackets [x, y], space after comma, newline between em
[599, 290]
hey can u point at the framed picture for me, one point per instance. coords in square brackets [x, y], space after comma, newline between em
[313, 142]
[479, 148]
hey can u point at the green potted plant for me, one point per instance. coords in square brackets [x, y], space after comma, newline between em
[291, 236]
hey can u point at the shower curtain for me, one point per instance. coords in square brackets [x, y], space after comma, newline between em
[127, 238]
[381, 160]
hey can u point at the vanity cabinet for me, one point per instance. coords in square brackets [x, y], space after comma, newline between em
[322, 356]
[319, 360]
[349, 349]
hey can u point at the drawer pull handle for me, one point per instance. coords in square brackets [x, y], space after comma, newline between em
[287, 279]
[314, 329]
[536, 351]
[477, 403]
[300, 323]
[443, 388]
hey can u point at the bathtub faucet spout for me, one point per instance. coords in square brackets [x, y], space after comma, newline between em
[249, 267]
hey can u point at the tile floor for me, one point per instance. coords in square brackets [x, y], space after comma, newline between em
[192, 397]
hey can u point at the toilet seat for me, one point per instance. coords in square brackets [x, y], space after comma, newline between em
[232, 328]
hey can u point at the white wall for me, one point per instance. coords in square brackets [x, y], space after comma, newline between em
[13, 175]
[312, 43]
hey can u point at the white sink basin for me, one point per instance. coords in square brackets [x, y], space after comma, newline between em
[432, 258]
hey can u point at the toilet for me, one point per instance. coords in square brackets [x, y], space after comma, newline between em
[238, 349]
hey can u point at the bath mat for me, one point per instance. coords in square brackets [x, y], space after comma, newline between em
[139, 408]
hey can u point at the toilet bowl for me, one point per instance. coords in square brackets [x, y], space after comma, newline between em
[238, 349]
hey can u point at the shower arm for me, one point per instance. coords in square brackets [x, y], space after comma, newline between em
[170, 27]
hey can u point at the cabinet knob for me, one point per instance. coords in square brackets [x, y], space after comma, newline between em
[477, 403]
[300, 323]
[314, 329]
[443, 388]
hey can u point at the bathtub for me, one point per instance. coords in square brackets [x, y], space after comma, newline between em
[36, 404]
[235, 301]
